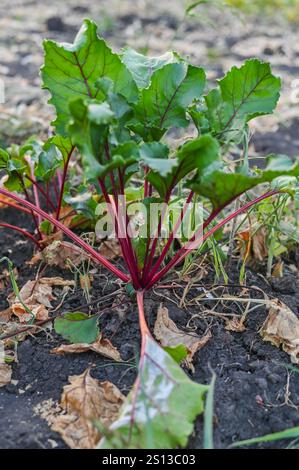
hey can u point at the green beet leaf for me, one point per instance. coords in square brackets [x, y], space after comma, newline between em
[63, 144]
[140, 248]
[77, 327]
[72, 70]
[49, 160]
[89, 129]
[82, 201]
[130, 155]
[172, 89]
[196, 154]
[161, 408]
[222, 187]
[243, 94]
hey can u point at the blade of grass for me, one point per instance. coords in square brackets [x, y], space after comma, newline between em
[276, 436]
[208, 416]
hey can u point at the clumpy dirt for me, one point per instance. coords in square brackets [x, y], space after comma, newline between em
[255, 393]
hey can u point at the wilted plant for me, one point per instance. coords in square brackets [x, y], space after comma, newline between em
[116, 110]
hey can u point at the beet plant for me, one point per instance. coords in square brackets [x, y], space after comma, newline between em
[113, 115]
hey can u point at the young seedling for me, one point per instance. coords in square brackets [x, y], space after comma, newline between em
[115, 110]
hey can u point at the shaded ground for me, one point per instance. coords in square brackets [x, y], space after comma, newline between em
[251, 375]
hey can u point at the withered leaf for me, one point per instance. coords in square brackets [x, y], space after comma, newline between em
[66, 215]
[110, 249]
[37, 298]
[6, 315]
[170, 335]
[39, 312]
[83, 401]
[5, 277]
[46, 241]
[253, 246]
[281, 328]
[277, 270]
[101, 346]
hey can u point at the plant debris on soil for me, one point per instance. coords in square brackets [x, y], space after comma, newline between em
[256, 393]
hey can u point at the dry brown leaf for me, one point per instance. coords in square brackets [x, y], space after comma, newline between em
[36, 292]
[170, 335]
[46, 241]
[253, 247]
[66, 215]
[62, 254]
[110, 249]
[198, 275]
[101, 346]
[5, 315]
[84, 400]
[37, 296]
[277, 270]
[39, 312]
[259, 247]
[5, 374]
[281, 328]
[5, 277]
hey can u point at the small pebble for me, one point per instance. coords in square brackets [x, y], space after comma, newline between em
[55, 23]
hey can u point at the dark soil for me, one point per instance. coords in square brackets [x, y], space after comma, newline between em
[251, 374]
[284, 141]
[216, 40]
